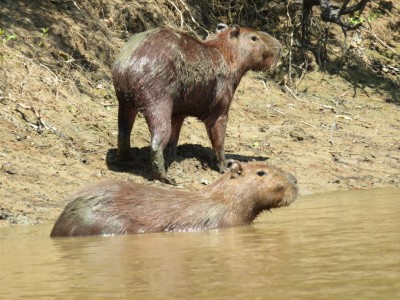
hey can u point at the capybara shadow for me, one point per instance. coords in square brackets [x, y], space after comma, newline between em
[140, 159]
[139, 164]
[118, 207]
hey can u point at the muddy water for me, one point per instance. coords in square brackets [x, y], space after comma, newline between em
[342, 245]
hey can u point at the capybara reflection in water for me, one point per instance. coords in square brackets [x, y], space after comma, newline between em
[168, 75]
[119, 207]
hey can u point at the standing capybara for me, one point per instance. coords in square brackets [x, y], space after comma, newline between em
[119, 207]
[168, 75]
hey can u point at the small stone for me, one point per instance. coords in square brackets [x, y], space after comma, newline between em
[204, 181]
[8, 168]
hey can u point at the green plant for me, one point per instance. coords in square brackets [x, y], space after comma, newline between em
[43, 35]
[357, 19]
[373, 16]
[5, 37]
[72, 109]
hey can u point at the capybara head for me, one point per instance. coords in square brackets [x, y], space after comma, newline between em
[259, 185]
[258, 50]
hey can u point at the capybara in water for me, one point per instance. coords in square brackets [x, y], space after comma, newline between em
[119, 207]
[168, 75]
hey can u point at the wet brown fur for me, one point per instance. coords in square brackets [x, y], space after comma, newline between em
[119, 207]
[168, 75]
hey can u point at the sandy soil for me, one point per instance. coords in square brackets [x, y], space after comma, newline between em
[58, 119]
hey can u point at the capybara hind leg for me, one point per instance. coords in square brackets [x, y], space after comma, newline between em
[216, 133]
[160, 130]
[175, 131]
[126, 118]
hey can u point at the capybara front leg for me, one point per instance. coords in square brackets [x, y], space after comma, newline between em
[126, 118]
[216, 132]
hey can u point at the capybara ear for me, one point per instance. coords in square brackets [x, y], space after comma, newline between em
[235, 31]
[234, 167]
[221, 27]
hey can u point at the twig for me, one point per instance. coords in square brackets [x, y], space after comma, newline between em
[303, 72]
[185, 6]
[278, 111]
[379, 40]
[305, 123]
[344, 94]
[76, 5]
[293, 94]
[274, 109]
[265, 85]
[86, 42]
[193, 19]
[180, 13]
[39, 125]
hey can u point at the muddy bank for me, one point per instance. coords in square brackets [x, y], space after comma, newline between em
[58, 118]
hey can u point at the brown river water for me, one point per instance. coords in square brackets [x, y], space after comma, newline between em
[342, 245]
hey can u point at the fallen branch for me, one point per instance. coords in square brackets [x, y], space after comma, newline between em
[39, 125]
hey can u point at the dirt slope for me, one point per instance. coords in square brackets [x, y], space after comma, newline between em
[58, 113]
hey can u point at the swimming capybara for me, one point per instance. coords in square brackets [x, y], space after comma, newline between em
[120, 207]
[168, 75]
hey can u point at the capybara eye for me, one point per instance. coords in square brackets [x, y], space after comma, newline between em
[254, 38]
[262, 173]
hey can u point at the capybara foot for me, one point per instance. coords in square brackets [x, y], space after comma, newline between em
[221, 167]
[164, 179]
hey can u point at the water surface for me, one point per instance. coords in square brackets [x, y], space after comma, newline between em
[342, 245]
